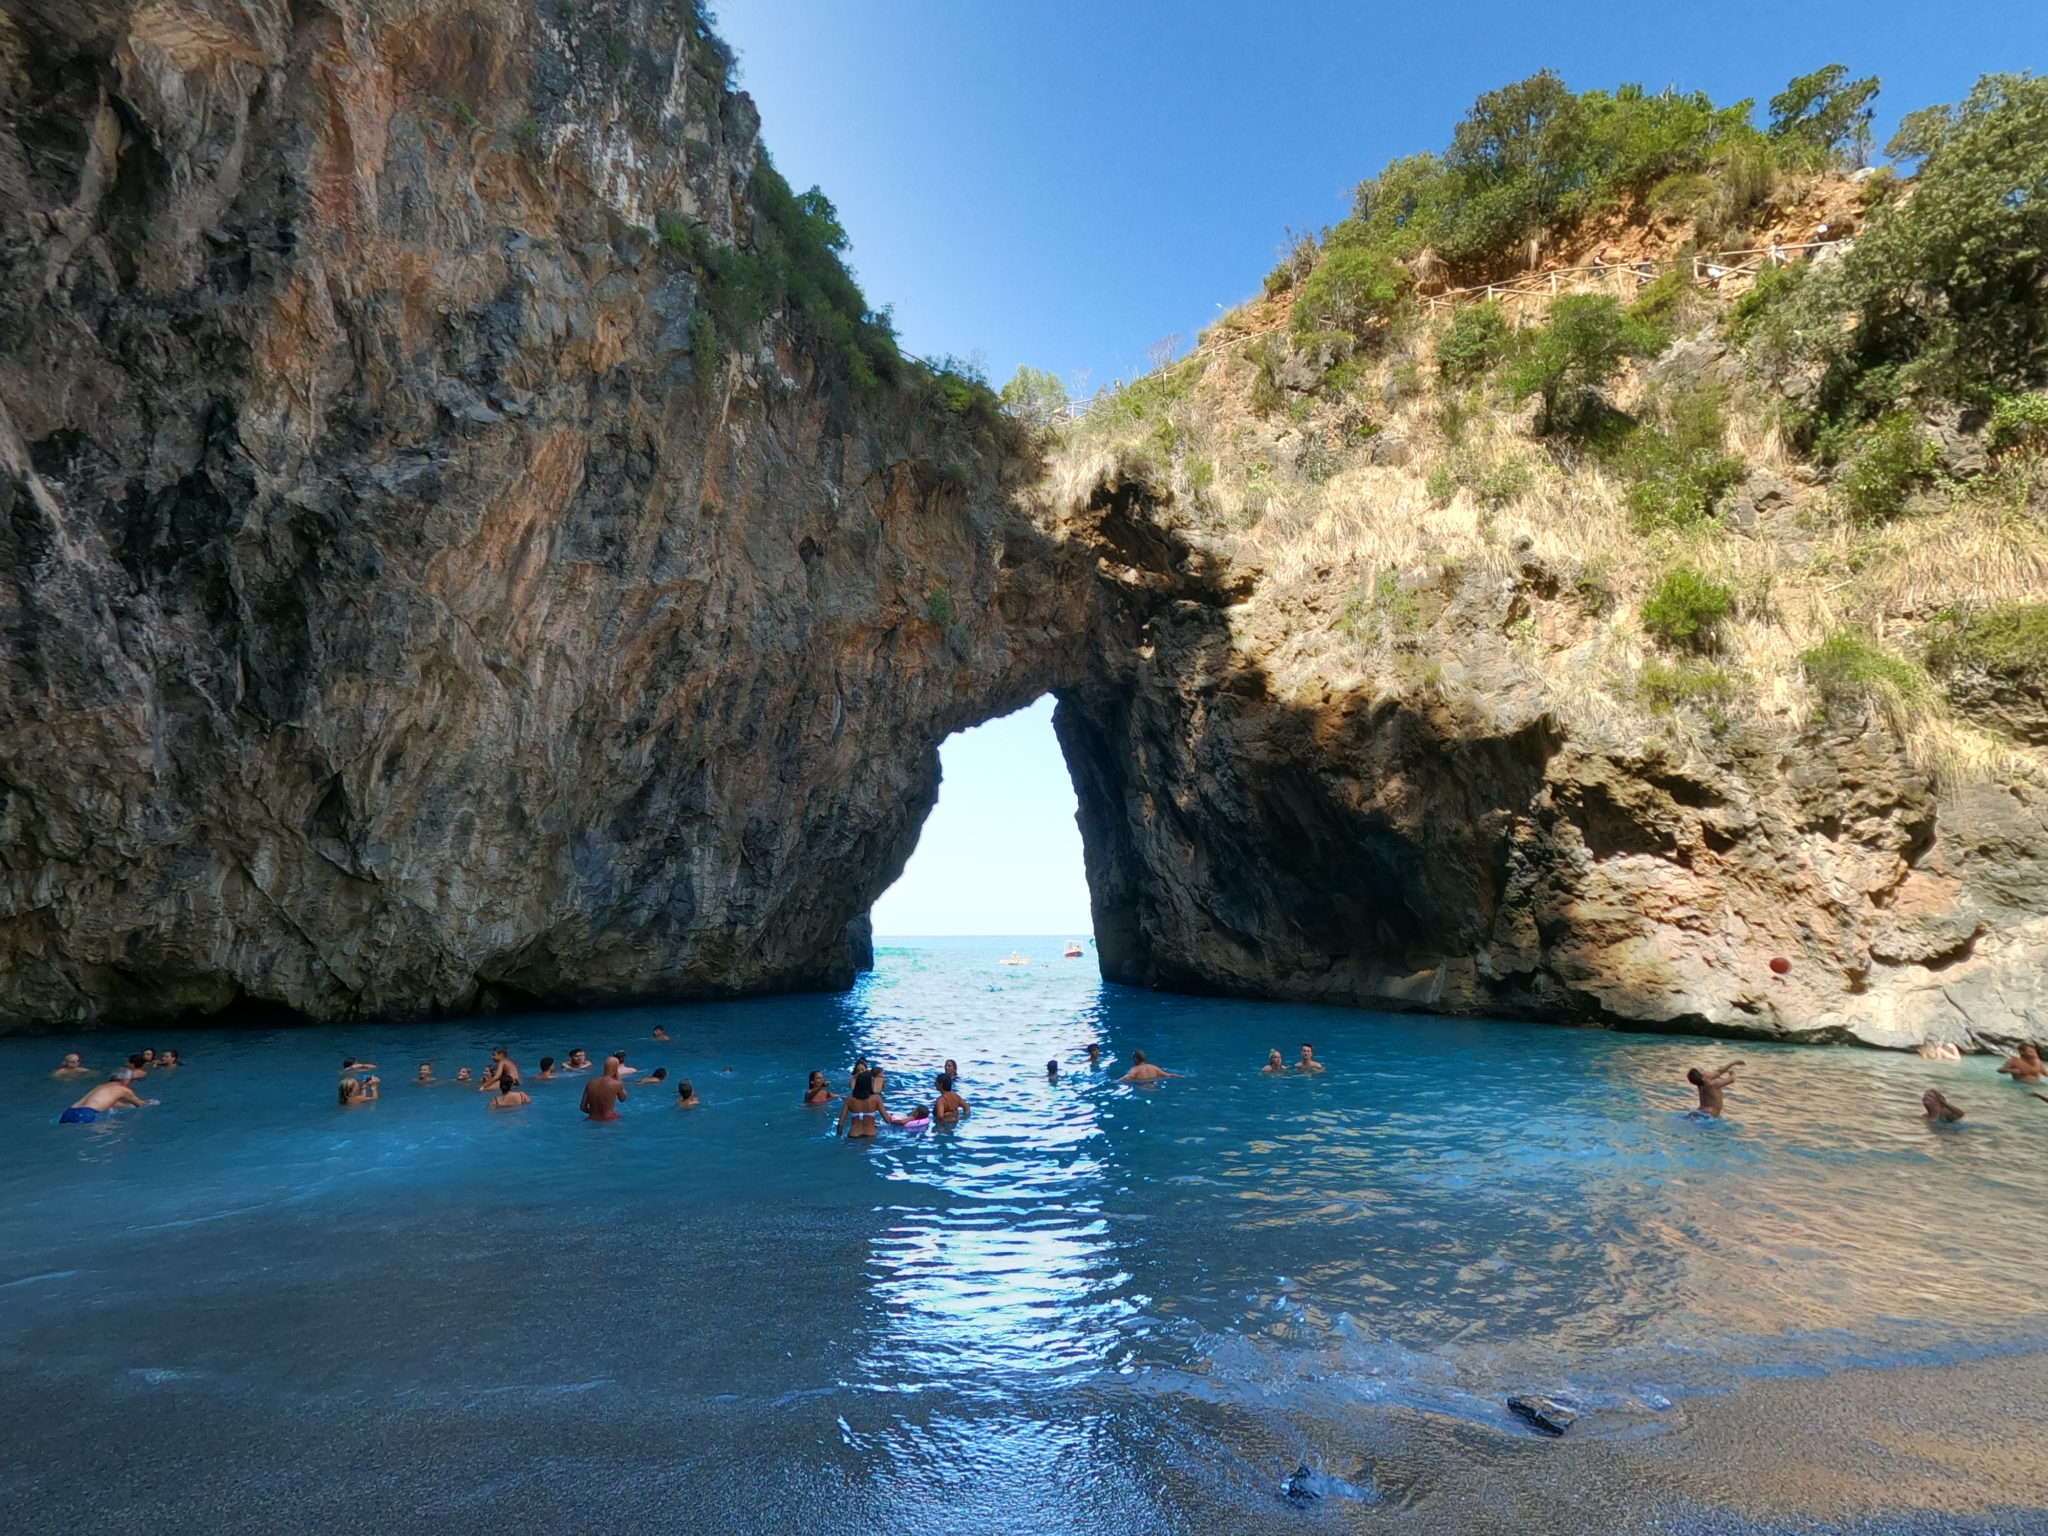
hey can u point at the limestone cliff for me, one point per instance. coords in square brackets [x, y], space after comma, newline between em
[1352, 738]
[416, 592]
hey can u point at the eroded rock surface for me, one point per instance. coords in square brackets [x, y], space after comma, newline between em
[400, 609]
[1440, 842]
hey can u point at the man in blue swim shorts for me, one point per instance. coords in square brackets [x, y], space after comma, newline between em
[114, 1093]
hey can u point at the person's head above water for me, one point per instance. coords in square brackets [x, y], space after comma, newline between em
[122, 1075]
[1137, 1058]
[684, 1090]
[1695, 1076]
[1052, 1068]
[943, 1082]
[547, 1065]
[864, 1085]
[952, 1067]
[1273, 1057]
[508, 1085]
[71, 1059]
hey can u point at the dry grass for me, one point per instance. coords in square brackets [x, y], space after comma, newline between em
[1307, 500]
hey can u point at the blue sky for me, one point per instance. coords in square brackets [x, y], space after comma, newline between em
[1065, 182]
[1001, 854]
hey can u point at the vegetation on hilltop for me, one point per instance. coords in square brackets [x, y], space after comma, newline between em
[1795, 493]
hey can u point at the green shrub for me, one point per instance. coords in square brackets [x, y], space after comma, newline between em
[1685, 610]
[704, 349]
[1824, 118]
[1773, 285]
[1035, 397]
[676, 233]
[2019, 423]
[1848, 665]
[1682, 195]
[1679, 470]
[1666, 300]
[459, 106]
[1576, 354]
[1353, 289]
[1506, 482]
[2011, 639]
[1478, 337]
[1380, 611]
[1667, 685]
[1440, 485]
[939, 604]
[1940, 297]
[1885, 463]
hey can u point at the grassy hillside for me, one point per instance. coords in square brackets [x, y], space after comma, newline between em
[1759, 487]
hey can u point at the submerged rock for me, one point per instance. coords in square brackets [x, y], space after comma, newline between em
[1544, 1413]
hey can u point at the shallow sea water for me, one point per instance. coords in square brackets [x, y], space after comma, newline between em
[1091, 1308]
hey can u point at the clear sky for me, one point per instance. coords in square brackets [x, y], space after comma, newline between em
[1001, 854]
[1065, 182]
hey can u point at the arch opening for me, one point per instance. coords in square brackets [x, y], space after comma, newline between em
[1000, 854]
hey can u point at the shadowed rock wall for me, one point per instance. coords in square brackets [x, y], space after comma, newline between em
[1459, 852]
[400, 609]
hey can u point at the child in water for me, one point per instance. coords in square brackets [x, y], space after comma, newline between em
[918, 1121]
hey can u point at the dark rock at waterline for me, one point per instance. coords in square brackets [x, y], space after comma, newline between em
[1299, 1487]
[1544, 1413]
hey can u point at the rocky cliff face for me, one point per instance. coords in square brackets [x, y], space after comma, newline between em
[409, 599]
[1437, 837]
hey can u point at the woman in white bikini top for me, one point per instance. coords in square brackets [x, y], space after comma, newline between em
[861, 1115]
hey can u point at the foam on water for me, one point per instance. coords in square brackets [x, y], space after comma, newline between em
[1453, 1211]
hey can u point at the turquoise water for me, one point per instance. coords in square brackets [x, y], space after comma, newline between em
[1113, 1309]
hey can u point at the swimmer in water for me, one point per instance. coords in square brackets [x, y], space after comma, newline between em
[1094, 1054]
[502, 1066]
[817, 1091]
[949, 1107]
[1939, 1110]
[511, 1095]
[169, 1061]
[860, 1116]
[615, 1064]
[660, 1033]
[139, 1065]
[1052, 1070]
[464, 1075]
[1710, 1085]
[1142, 1071]
[658, 1075]
[73, 1065]
[115, 1093]
[952, 1069]
[350, 1064]
[1308, 1062]
[547, 1070]
[603, 1095]
[577, 1062]
[2027, 1066]
[1932, 1049]
[1275, 1062]
[916, 1122]
[358, 1090]
[686, 1096]
[425, 1076]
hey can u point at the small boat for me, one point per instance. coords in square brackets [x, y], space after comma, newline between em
[1016, 958]
[1073, 949]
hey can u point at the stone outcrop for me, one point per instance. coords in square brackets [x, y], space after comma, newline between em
[419, 592]
[1445, 845]
[402, 607]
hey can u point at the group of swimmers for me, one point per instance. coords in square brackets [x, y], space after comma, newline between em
[862, 1112]
[118, 1091]
[506, 1083]
[2024, 1066]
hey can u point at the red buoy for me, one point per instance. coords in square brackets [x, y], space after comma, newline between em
[1780, 966]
